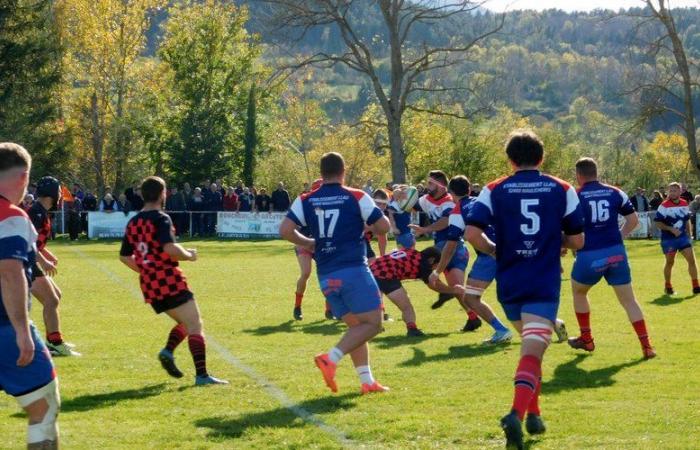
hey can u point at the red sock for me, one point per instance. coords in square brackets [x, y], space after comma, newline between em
[527, 376]
[177, 335]
[55, 338]
[534, 407]
[669, 285]
[695, 283]
[472, 315]
[411, 326]
[584, 324]
[298, 299]
[198, 348]
[641, 328]
[383, 309]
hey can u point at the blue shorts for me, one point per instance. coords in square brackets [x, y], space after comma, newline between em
[514, 311]
[459, 260]
[610, 262]
[351, 290]
[677, 244]
[484, 268]
[406, 240]
[18, 381]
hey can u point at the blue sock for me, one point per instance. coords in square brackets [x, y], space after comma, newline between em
[497, 325]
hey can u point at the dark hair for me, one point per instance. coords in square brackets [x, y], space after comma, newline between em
[438, 175]
[13, 156]
[431, 252]
[524, 148]
[380, 193]
[459, 185]
[332, 165]
[152, 188]
[587, 167]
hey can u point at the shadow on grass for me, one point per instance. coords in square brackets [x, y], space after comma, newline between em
[460, 351]
[668, 300]
[398, 340]
[325, 327]
[233, 428]
[108, 399]
[569, 377]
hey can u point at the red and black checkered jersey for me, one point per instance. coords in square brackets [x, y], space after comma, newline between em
[42, 223]
[405, 264]
[145, 238]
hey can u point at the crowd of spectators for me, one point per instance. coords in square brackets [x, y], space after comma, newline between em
[644, 204]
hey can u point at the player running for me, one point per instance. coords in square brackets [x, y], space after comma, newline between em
[26, 369]
[673, 219]
[483, 270]
[44, 287]
[438, 204]
[604, 255]
[337, 216]
[534, 215]
[408, 264]
[149, 248]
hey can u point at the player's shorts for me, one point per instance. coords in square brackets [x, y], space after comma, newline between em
[406, 240]
[611, 263]
[548, 310]
[673, 245]
[459, 260]
[301, 251]
[37, 271]
[18, 381]
[172, 302]
[388, 286]
[352, 290]
[370, 252]
[484, 268]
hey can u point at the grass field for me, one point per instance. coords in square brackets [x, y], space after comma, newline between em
[448, 391]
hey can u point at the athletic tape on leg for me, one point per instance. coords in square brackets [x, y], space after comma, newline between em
[537, 331]
[47, 429]
[472, 290]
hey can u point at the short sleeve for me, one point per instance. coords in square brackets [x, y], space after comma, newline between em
[368, 209]
[449, 206]
[16, 238]
[164, 232]
[660, 214]
[127, 249]
[626, 207]
[296, 213]
[481, 212]
[573, 220]
[455, 229]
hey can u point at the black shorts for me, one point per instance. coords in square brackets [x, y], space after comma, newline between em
[160, 306]
[388, 286]
[37, 271]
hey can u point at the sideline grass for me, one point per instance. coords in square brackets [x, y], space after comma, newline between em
[448, 391]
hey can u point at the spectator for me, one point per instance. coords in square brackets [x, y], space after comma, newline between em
[368, 188]
[389, 187]
[90, 202]
[263, 201]
[214, 203]
[131, 192]
[220, 186]
[124, 204]
[694, 210]
[656, 201]
[245, 201]
[639, 201]
[78, 192]
[74, 221]
[31, 189]
[187, 193]
[306, 188]
[197, 204]
[137, 200]
[280, 199]
[231, 200]
[686, 194]
[27, 202]
[239, 188]
[254, 191]
[108, 204]
[476, 189]
[175, 205]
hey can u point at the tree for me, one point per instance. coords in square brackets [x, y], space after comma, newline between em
[211, 57]
[413, 62]
[250, 140]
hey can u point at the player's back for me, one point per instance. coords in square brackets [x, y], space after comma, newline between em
[529, 211]
[147, 233]
[405, 264]
[601, 204]
[336, 217]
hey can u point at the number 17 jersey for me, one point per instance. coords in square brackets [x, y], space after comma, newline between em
[529, 212]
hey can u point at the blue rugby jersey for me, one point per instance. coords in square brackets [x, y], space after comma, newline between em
[601, 204]
[436, 209]
[674, 214]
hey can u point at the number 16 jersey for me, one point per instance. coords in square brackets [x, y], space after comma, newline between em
[529, 212]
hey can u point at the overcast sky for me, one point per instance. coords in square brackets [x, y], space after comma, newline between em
[578, 5]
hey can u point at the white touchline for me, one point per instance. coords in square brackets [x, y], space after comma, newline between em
[269, 387]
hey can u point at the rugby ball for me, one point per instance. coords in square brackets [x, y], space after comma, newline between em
[406, 198]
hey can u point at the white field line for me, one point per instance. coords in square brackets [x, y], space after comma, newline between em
[272, 389]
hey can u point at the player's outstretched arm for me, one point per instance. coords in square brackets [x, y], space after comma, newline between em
[180, 253]
[479, 240]
[15, 293]
[288, 231]
[129, 262]
[631, 222]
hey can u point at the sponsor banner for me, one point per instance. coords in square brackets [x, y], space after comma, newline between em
[246, 225]
[642, 230]
[102, 225]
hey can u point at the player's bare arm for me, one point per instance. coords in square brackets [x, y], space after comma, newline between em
[446, 256]
[573, 241]
[440, 225]
[129, 262]
[49, 256]
[290, 232]
[46, 264]
[688, 228]
[15, 293]
[180, 253]
[392, 223]
[442, 288]
[631, 222]
[480, 241]
[379, 227]
[673, 230]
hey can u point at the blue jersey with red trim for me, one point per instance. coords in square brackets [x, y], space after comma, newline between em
[402, 219]
[436, 209]
[675, 214]
[529, 212]
[458, 220]
[17, 241]
[336, 216]
[601, 204]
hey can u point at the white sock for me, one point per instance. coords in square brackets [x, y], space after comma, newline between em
[365, 374]
[335, 354]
